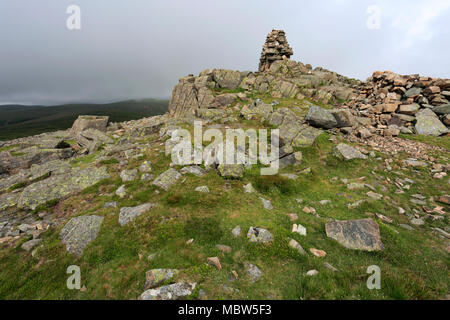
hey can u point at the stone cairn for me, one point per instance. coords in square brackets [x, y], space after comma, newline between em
[275, 48]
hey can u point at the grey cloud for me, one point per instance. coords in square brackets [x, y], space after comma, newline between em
[139, 48]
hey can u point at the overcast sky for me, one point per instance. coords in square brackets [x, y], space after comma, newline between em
[130, 49]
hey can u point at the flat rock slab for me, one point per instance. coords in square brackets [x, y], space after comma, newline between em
[128, 214]
[79, 232]
[166, 179]
[195, 170]
[157, 277]
[361, 234]
[176, 291]
[59, 186]
[429, 124]
[346, 152]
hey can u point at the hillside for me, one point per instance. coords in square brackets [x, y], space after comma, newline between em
[20, 121]
[361, 184]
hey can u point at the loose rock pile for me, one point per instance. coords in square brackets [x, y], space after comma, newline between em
[394, 103]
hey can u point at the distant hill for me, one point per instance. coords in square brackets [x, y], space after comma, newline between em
[20, 121]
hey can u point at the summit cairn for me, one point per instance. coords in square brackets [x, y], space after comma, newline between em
[275, 48]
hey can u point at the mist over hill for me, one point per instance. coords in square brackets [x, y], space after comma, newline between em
[20, 121]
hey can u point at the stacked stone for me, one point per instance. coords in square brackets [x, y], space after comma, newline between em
[410, 102]
[275, 48]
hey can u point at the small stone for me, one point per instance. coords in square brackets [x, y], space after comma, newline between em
[203, 189]
[29, 245]
[152, 256]
[407, 227]
[309, 210]
[318, 253]
[298, 156]
[215, 262]
[374, 195]
[248, 188]
[236, 231]
[266, 203]
[355, 186]
[156, 277]
[253, 272]
[112, 204]
[166, 179]
[121, 192]
[293, 216]
[259, 235]
[312, 273]
[147, 177]
[444, 199]
[223, 248]
[298, 228]
[145, 167]
[128, 175]
[330, 267]
[417, 222]
[295, 245]
[195, 170]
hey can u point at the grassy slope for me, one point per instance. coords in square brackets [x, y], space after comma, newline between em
[22, 121]
[414, 264]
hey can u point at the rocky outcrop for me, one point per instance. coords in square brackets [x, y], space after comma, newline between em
[275, 48]
[89, 122]
[194, 93]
